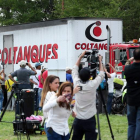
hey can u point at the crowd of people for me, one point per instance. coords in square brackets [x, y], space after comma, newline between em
[55, 99]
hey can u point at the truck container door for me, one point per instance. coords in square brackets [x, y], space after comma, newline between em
[8, 43]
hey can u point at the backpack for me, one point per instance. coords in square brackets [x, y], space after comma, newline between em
[103, 84]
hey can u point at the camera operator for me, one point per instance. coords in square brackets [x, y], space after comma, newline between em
[132, 74]
[85, 101]
[23, 74]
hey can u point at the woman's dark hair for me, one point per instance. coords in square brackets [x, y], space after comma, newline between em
[46, 87]
[61, 89]
[107, 68]
[136, 54]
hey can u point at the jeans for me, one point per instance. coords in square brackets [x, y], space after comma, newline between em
[109, 102]
[52, 135]
[1, 99]
[133, 116]
[45, 128]
[100, 102]
[87, 127]
[39, 97]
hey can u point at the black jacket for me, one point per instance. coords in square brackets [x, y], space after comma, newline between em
[132, 73]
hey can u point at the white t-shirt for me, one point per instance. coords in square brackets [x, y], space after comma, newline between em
[85, 100]
[110, 82]
[57, 116]
[35, 77]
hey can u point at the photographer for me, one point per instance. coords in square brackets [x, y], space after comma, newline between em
[23, 74]
[85, 101]
[132, 74]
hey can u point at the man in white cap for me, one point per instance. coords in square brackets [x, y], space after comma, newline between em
[68, 74]
[23, 78]
[23, 74]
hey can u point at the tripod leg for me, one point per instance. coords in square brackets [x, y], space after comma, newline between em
[23, 117]
[98, 123]
[71, 131]
[6, 105]
[104, 105]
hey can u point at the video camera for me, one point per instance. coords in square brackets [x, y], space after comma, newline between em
[93, 61]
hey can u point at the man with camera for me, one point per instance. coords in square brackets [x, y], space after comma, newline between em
[85, 101]
[132, 74]
[23, 74]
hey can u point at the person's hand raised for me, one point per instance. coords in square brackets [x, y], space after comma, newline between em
[61, 99]
[100, 58]
[82, 55]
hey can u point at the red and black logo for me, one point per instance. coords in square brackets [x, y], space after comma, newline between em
[97, 31]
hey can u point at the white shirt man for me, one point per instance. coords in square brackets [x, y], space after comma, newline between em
[34, 79]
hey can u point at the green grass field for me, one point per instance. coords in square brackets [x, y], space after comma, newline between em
[118, 123]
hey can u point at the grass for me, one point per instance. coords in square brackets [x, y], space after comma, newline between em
[118, 124]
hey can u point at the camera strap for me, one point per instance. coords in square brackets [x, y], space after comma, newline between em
[36, 78]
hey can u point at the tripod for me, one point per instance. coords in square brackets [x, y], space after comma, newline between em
[104, 105]
[19, 115]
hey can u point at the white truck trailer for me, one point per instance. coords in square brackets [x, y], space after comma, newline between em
[55, 43]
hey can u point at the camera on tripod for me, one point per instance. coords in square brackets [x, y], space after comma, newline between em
[93, 61]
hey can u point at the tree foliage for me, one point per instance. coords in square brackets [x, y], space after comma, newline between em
[127, 10]
[25, 11]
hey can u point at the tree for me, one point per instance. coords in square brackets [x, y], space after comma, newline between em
[24, 11]
[127, 10]
[80, 8]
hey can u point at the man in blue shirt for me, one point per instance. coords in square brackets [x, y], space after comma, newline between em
[68, 74]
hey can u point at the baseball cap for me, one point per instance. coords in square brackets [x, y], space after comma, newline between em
[22, 63]
[68, 68]
[37, 64]
[84, 74]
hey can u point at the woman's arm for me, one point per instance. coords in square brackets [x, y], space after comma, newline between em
[53, 102]
[50, 104]
[114, 70]
[128, 62]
